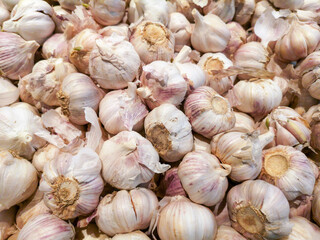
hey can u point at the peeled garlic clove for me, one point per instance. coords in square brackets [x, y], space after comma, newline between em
[46, 226]
[228, 233]
[161, 82]
[303, 229]
[9, 93]
[113, 62]
[204, 178]
[18, 174]
[153, 41]
[238, 38]
[244, 121]
[4, 13]
[91, 232]
[7, 222]
[129, 146]
[122, 110]
[126, 211]
[291, 4]
[244, 10]
[225, 9]
[169, 130]
[16, 55]
[108, 12]
[170, 185]
[121, 30]
[208, 112]
[56, 47]
[9, 4]
[219, 34]
[137, 235]
[78, 91]
[211, 62]
[259, 210]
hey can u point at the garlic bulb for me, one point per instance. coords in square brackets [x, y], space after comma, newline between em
[9, 93]
[91, 232]
[9, 4]
[137, 235]
[186, 6]
[114, 62]
[210, 62]
[260, 8]
[78, 91]
[60, 17]
[238, 38]
[46, 226]
[71, 4]
[181, 219]
[219, 34]
[153, 41]
[301, 206]
[291, 4]
[208, 112]
[129, 148]
[310, 10]
[16, 55]
[259, 210]
[223, 9]
[257, 97]
[181, 29]
[120, 29]
[203, 177]
[244, 121]
[244, 10]
[7, 222]
[107, 12]
[27, 106]
[201, 143]
[228, 233]
[56, 46]
[44, 155]
[126, 211]
[316, 202]
[169, 130]
[4, 13]
[303, 229]
[18, 174]
[241, 150]
[161, 82]
[171, 185]
[31, 19]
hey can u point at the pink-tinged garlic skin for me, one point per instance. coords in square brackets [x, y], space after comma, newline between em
[312, 9]
[203, 177]
[223, 9]
[221, 213]
[120, 29]
[60, 16]
[56, 46]
[4, 13]
[238, 38]
[244, 10]
[208, 112]
[171, 184]
[46, 227]
[7, 222]
[228, 233]
[303, 229]
[301, 207]
[291, 4]
[108, 12]
[16, 55]
[260, 7]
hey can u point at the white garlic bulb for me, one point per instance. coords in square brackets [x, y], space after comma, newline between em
[90, 232]
[120, 29]
[161, 82]
[46, 226]
[31, 19]
[153, 41]
[16, 55]
[310, 10]
[242, 150]
[7, 222]
[126, 211]
[137, 235]
[303, 229]
[259, 210]
[203, 177]
[181, 219]
[107, 12]
[4, 13]
[113, 62]
[225, 9]
[244, 10]
[228, 233]
[122, 110]
[238, 38]
[208, 112]
[201, 143]
[60, 17]
[9, 4]
[128, 160]
[211, 62]
[27, 106]
[72, 184]
[78, 91]
[244, 121]
[56, 46]
[17, 173]
[291, 4]
[170, 184]
[316, 202]
[169, 130]
[9, 93]
[218, 33]
[260, 8]
[71, 4]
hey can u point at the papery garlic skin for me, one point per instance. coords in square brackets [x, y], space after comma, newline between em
[153, 41]
[9, 4]
[223, 9]
[47, 226]
[169, 130]
[137, 235]
[91, 232]
[114, 62]
[171, 185]
[208, 112]
[244, 10]
[9, 93]
[26, 106]
[60, 17]
[126, 211]
[56, 46]
[259, 210]
[201, 143]
[238, 38]
[120, 29]
[7, 222]
[301, 207]
[71, 4]
[228, 233]
[203, 177]
[244, 121]
[107, 12]
[219, 34]
[16, 55]
[291, 4]
[303, 229]
[18, 174]
[182, 219]
[161, 82]
[260, 8]
[4, 13]
[128, 160]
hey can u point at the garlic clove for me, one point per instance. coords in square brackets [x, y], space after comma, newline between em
[171, 185]
[60, 17]
[44, 155]
[238, 38]
[244, 10]
[56, 47]
[244, 121]
[228, 233]
[291, 4]
[9, 93]
[7, 227]
[303, 229]
[201, 143]
[108, 12]
[260, 8]
[9, 4]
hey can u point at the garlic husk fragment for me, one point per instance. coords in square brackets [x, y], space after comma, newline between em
[16, 55]
[241, 150]
[122, 110]
[9, 93]
[169, 130]
[71, 4]
[60, 17]
[4, 13]
[208, 112]
[228, 233]
[46, 226]
[121, 30]
[171, 185]
[291, 4]
[210, 62]
[244, 121]
[113, 62]
[129, 148]
[219, 34]
[303, 229]
[126, 211]
[91, 232]
[137, 235]
[78, 91]
[238, 38]
[244, 10]
[203, 177]
[7, 222]
[18, 174]
[259, 210]
[31, 19]
[225, 9]
[72, 184]
[107, 12]
[56, 47]
[153, 41]
[9, 4]
[161, 82]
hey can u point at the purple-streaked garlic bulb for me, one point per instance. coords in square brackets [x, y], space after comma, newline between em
[56, 47]
[171, 185]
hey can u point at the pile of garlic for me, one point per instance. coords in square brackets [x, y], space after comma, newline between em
[159, 119]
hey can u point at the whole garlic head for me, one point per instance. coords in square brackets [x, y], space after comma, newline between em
[56, 46]
[107, 12]
[9, 93]
[225, 9]
[303, 229]
[228, 233]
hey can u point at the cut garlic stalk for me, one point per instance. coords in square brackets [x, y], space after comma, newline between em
[7, 222]
[9, 93]
[228, 233]
[225, 9]
[107, 12]
[56, 47]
